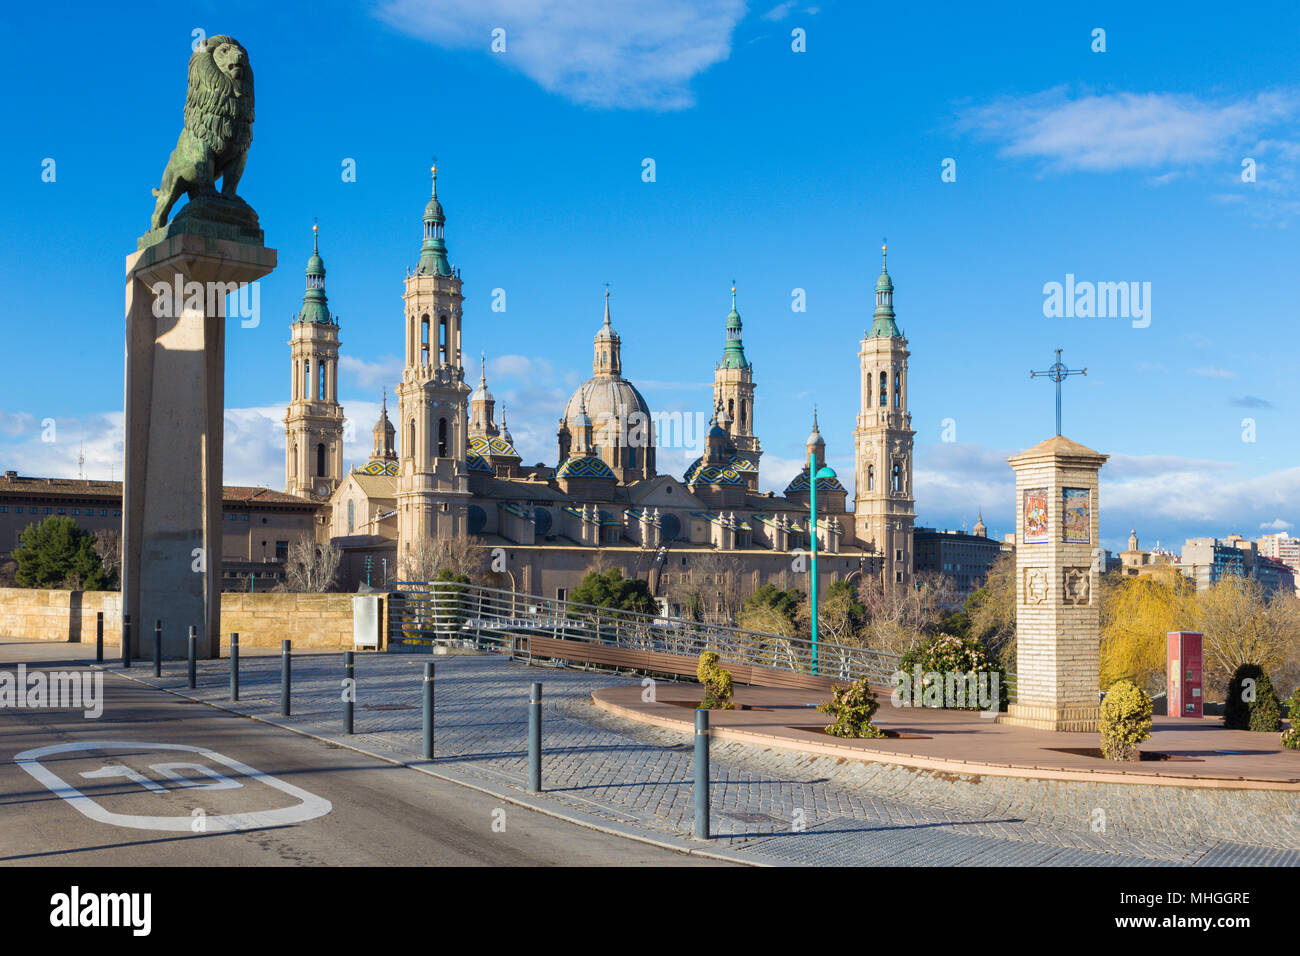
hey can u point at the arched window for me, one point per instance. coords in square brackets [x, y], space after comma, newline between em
[320, 461]
[443, 342]
[898, 395]
[731, 409]
[320, 381]
[306, 378]
[424, 340]
[898, 477]
[442, 438]
[352, 515]
[884, 389]
[742, 411]
[871, 477]
[410, 439]
[868, 390]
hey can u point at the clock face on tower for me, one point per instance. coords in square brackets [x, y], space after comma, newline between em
[322, 491]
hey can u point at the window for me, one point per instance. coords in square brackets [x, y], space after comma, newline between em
[117, 514]
[306, 377]
[320, 460]
[898, 401]
[868, 390]
[103, 512]
[424, 340]
[884, 389]
[47, 511]
[18, 510]
[443, 341]
[352, 515]
[62, 511]
[561, 594]
[898, 554]
[871, 477]
[76, 511]
[743, 403]
[898, 477]
[320, 381]
[4, 509]
[410, 439]
[442, 438]
[898, 577]
[282, 551]
[243, 517]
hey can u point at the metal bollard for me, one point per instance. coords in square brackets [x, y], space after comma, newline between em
[157, 648]
[350, 690]
[701, 775]
[535, 738]
[234, 665]
[126, 641]
[428, 710]
[284, 678]
[194, 650]
[99, 637]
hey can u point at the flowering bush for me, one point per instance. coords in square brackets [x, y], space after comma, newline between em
[852, 708]
[1125, 721]
[1291, 738]
[946, 654]
[716, 681]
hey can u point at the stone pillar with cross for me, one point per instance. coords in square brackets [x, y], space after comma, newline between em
[1058, 566]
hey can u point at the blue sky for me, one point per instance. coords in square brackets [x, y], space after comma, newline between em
[777, 168]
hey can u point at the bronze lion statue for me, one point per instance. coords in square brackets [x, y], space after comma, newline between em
[218, 127]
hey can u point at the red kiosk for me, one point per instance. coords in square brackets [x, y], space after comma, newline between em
[1183, 665]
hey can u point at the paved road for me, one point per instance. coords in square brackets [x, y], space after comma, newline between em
[769, 805]
[378, 814]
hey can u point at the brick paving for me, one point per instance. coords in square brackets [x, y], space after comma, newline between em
[782, 805]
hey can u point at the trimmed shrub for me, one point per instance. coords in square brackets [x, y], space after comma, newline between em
[1291, 738]
[1125, 721]
[1250, 703]
[946, 654]
[852, 708]
[716, 681]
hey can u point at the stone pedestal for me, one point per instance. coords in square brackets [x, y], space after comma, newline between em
[1058, 638]
[174, 419]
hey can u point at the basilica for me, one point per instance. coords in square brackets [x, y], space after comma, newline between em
[448, 468]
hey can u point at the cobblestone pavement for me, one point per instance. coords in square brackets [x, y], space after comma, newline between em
[782, 805]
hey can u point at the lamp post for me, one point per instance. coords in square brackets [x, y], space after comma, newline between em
[814, 475]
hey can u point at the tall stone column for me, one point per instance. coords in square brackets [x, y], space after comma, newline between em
[174, 411]
[1058, 638]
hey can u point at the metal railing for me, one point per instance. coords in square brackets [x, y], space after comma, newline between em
[422, 614]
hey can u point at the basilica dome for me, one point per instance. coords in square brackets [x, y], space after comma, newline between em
[605, 399]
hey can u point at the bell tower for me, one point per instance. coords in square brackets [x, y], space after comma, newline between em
[884, 506]
[733, 391]
[313, 423]
[433, 478]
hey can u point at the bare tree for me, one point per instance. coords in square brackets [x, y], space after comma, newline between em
[900, 617]
[108, 545]
[428, 556]
[311, 567]
[1242, 627]
[711, 584]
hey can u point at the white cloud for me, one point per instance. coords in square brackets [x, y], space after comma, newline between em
[384, 372]
[1105, 132]
[779, 12]
[1213, 371]
[603, 53]
[1277, 524]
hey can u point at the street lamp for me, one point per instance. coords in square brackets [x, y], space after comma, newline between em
[815, 474]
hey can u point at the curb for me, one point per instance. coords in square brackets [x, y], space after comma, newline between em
[944, 765]
[393, 757]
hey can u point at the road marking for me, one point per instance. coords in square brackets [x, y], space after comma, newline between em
[309, 806]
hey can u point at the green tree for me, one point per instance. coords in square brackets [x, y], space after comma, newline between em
[57, 553]
[991, 610]
[610, 589]
[773, 609]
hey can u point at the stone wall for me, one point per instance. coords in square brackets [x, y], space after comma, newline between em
[311, 621]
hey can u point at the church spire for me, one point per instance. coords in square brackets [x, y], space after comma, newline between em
[315, 306]
[607, 360]
[733, 355]
[883, 324]
[433, 252]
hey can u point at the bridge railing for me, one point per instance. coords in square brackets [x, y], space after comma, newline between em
[425, 613]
